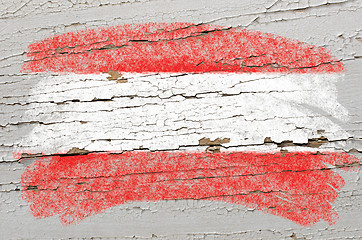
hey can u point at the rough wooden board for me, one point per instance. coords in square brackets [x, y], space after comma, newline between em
[333, 24]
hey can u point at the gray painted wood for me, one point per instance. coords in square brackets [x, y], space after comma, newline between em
[334, 25]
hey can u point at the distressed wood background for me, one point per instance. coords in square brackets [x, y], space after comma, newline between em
[335, 25]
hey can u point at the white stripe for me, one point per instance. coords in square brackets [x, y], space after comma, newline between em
[174, 111]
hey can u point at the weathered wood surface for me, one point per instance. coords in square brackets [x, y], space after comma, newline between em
[28, 120]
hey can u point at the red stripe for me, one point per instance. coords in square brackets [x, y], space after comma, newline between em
[297, 186]
[176, 47]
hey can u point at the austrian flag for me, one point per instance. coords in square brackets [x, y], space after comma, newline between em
[172, 111]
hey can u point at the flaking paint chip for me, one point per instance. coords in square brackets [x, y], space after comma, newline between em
[114, 75]
[217, 141]
[77, 151]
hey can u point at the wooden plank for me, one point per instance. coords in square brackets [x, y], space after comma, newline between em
[43, 112]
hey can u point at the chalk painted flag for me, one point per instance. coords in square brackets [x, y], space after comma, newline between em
[171, 111]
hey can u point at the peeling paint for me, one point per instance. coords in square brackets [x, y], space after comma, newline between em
[333, 25]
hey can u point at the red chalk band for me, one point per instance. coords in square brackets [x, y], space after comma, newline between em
[297, 186]
[175, 48]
